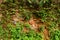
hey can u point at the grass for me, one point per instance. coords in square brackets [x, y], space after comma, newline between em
[55, 35]
[46, 12]
[16, 33]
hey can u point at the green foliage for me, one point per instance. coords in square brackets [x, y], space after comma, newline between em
[16, 33]
[8, 1]
[27, 25]
[31, 35]
[52, 26]
[46, 11]
[55, 35]
[41, 14]
[41, 29]
[38, 3]
[1, 31]
[26, 15]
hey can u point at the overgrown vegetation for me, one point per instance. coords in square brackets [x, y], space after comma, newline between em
[55, 35]
[17, 33]
[29, 20]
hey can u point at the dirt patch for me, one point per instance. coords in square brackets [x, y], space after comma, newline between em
[46, 34]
